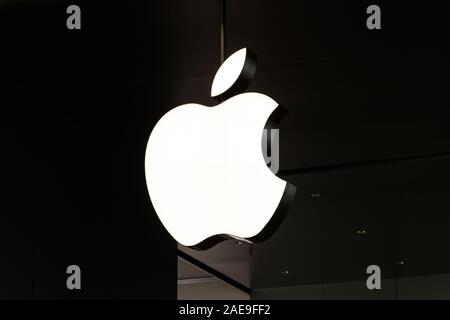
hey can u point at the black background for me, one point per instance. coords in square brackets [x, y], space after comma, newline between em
[77, 109]
[78, 106]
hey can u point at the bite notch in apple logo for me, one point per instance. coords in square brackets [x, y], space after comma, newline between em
[205, 169]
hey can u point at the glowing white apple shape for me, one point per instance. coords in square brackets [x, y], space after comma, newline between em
[204, 166]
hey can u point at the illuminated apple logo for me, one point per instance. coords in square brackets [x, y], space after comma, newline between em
[205, 169]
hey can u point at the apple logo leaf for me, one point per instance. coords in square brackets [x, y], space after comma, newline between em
[234, 75]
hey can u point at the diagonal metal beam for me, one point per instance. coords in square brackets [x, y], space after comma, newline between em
[360, 164]
[213, 272]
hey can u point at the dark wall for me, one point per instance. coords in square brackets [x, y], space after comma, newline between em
[354, 97]
[77, 109]
[366, 141]
[352, 94]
